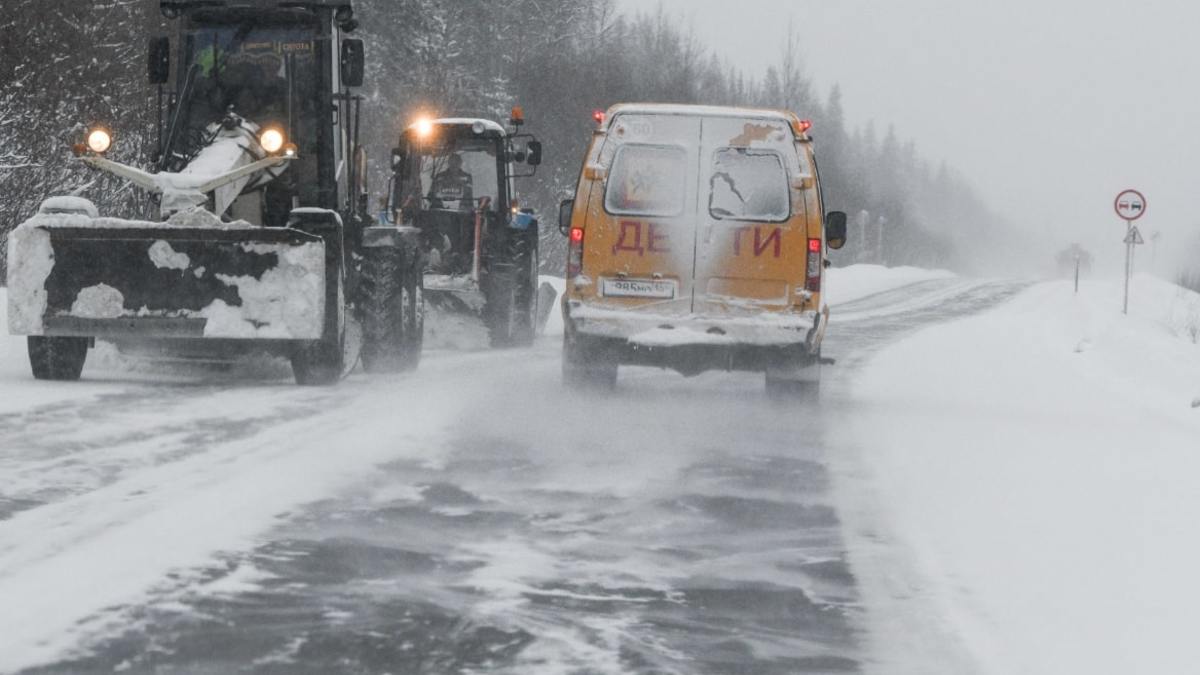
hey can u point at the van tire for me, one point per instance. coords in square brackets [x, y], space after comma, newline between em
[583, 369]
[57, 359]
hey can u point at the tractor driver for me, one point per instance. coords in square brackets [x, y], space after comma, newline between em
[254, 85]
[453, 183]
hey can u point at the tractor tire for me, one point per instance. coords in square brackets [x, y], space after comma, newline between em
[57, 358]
[511, 310]
[585, 370]
[393, 312]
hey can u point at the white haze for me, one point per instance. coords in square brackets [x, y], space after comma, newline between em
[1049, 107]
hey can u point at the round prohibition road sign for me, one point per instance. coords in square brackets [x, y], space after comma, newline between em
[1130, 205]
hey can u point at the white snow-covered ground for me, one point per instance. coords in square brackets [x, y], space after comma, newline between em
[846, 284]
[1021, 494]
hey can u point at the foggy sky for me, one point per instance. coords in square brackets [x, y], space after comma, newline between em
[1050, 107]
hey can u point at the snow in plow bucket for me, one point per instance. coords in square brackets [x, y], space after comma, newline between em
[192, 276]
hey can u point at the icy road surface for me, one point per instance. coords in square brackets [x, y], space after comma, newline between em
[473, 517]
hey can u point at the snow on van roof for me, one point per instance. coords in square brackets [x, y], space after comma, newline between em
[701, 110]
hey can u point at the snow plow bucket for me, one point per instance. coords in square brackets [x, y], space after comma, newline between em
[111, 278]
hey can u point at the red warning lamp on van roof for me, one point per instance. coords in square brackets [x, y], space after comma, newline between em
[598, 115]
[804, 126]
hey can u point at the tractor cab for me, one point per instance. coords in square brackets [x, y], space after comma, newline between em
[449, 175]
[263, 68]
[454, 183]
[453, 180]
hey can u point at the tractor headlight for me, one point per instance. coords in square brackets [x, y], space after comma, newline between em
[272, 140]
[424, 128]
[99, 141]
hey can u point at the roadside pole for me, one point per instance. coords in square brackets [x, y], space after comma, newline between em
[1130, 205]
[1128, 261]
[1076, 275]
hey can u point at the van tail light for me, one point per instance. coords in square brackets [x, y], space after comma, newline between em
[575, 253]
[813, 283]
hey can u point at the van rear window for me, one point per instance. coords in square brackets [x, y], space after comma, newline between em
[749, 185]
[647, 180]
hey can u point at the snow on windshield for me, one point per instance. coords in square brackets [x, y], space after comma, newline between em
[647, 180]
[749, 185]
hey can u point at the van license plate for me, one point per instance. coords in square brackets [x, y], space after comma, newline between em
[639, 288]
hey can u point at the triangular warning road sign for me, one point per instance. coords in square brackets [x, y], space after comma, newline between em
[1134, 237]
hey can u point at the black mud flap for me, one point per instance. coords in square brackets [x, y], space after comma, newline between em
[185, 282]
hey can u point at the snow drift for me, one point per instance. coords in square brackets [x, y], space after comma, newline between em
[1024, 486]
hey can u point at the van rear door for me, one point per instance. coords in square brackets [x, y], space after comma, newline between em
[642, 247]
[751, 239]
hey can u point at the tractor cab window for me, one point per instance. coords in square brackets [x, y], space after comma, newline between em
[456, 175]
[257, 72]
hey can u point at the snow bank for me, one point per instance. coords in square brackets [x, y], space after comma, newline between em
[1025, 486]
[554, 326]
[846, 284]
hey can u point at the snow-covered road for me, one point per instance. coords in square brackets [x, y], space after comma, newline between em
[472, 517]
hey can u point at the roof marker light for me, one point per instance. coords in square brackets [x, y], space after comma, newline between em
[599, 116]
[805, 125]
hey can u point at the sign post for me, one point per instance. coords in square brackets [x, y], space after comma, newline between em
[1130, 205]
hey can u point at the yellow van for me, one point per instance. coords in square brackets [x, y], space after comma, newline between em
[697, 241]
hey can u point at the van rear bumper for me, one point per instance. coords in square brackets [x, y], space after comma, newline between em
[692, 344]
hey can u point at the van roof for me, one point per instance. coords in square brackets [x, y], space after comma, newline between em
[707, 111]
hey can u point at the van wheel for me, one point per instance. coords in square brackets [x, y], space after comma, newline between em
[583, 370]
[57, 358]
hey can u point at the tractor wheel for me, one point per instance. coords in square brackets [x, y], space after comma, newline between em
[525, 311]
[583, 369]
[57, 358]
[384, 309]
[511, 303]
[393, 312]
[414, 333]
